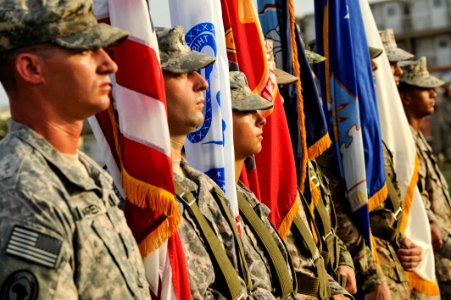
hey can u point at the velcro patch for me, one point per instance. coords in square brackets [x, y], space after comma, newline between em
[34, 246]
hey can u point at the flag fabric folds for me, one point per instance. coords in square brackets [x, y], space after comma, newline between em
[348, 95]
[210, 147]
[134, 137]
[277, 26]
[397, 136]
[275, 167]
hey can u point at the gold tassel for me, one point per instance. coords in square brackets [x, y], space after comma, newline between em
[423, 286]
[378, 198]
[285, 225]
[407, 205]
[319, 147]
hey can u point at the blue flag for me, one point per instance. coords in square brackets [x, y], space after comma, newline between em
[350, 104]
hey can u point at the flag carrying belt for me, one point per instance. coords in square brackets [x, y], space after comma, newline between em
[287, 286]
[222, 263]
[308, 285]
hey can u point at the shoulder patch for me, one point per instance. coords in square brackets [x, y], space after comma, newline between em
[34, 246]
[20, 285]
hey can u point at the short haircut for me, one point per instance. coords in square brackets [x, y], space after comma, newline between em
[8, 58]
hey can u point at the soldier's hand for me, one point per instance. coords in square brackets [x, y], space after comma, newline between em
[382, 292]
[436, 235]
[349, 274]
[409, 255]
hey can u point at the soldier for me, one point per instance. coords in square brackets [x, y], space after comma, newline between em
[386, 218]
[417, 91]
[62, 235]
[261, 237]
[370, 277]
[311, 277]
[213, 248]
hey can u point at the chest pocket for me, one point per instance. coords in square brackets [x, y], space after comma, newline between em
[106, 245]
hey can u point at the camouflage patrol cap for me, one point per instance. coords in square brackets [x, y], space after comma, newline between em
[417, 74]
[67, 23]
[282, 77]
[394, 53]
[242, 97]
[313, 57]
[374, 52]
[175, 54]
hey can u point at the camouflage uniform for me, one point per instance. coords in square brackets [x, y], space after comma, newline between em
[369, 274]
[434, 191]
[62, 235]
[258, 262]
[321, 182]
[384, 217]
[306, 266]
[199, 264]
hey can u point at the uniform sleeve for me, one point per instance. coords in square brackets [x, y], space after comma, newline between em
[337, 289]
[35, 251]
[345, 257]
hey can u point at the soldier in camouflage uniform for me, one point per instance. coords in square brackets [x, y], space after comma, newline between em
[196, 191]
[395, 252]
[417, 91]
[62, 235]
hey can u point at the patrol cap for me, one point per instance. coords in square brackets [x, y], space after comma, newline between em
[313, 57]
[67, 23]
[417, 74]
[374, 52]
[242, 97]
[282, 77]
[394, 53]
[175, 54]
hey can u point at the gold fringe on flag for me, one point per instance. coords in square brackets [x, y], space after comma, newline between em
[285, 225]
[407, 203]
[147, 196]
[378, 198]
[421, 285]
[319, 147]
[297, 70]
[373, 249]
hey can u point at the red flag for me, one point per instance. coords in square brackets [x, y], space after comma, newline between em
[134, 136]
[275, 165]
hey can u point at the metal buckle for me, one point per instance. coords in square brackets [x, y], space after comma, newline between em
[185, 201]
[315, 180]
[396, 214]
[329, 234]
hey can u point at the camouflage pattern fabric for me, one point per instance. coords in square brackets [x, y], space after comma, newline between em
[394, 53]
[201, 271]
[62, 235]
[306, 266]
[416, 73]
[434, 191]
[242, 97]
[257, 260]
[175, 54]
[343, 255]
[68, 23]
[392, 268]
[369, 275]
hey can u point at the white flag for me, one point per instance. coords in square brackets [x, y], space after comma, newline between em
[210, 147]
[397, 136]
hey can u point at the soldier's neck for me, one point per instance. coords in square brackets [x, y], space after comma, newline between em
[177, 146]
[238, 168]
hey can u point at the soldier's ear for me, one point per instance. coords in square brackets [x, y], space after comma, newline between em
[29, 68]
[406, 97]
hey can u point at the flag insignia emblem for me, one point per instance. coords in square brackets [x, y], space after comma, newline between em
[34, 246]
